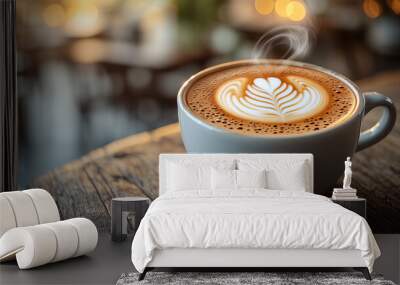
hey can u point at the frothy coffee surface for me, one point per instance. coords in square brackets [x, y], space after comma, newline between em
[271, 99]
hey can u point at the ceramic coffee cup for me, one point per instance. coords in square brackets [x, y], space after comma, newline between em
[330, 146]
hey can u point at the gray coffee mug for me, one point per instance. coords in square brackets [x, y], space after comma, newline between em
[330, 146]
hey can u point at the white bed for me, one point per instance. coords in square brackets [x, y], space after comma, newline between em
[248, 227]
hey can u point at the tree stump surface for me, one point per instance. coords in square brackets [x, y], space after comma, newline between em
[129, 167]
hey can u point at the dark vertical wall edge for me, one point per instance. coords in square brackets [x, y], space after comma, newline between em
[8, 97]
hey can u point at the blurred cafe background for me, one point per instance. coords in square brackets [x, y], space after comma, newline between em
[93, 71]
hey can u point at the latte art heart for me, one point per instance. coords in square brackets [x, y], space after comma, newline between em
[272, 99]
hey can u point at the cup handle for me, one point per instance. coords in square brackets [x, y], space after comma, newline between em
[385, 124]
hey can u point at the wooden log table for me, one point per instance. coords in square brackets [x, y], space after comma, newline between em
[129, 167]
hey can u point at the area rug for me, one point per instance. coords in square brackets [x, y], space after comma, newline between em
[243, 278]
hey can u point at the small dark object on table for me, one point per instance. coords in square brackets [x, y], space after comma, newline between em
[126, 213]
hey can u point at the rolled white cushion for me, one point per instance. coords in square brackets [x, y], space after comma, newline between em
[40, 244]
[23, 208]
[26, 208]
[87, 235]
[7, 218]
[45, 205]
[33, 246]
[66, 238]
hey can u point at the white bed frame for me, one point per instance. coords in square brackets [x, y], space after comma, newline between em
[246, 258]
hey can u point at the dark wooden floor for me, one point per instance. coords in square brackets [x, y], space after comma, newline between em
[129, 167]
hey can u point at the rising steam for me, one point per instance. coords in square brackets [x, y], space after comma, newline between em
[295, 41]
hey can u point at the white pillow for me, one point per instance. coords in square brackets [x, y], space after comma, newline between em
[281, 174]
[223, 179]
[251, 178]
[226, 179]
[188, 177]
[292, 179]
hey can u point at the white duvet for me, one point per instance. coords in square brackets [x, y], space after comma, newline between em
[250, 219]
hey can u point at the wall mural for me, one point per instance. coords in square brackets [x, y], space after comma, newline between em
[96, 88]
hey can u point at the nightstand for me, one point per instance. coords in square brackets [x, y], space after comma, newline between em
[357, 205]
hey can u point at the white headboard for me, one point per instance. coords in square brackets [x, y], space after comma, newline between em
[210, 158]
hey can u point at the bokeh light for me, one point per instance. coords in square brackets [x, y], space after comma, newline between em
[106, 3]
[372, 8]
[54, 15]
[83, 19]
[295, 11]
[88, 51]
[395, 5]
[280, 7]
[264, 7]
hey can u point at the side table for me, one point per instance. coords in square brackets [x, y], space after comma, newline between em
[126, 214]
[357, 205]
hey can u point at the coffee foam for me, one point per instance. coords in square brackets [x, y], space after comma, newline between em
[271, 99]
